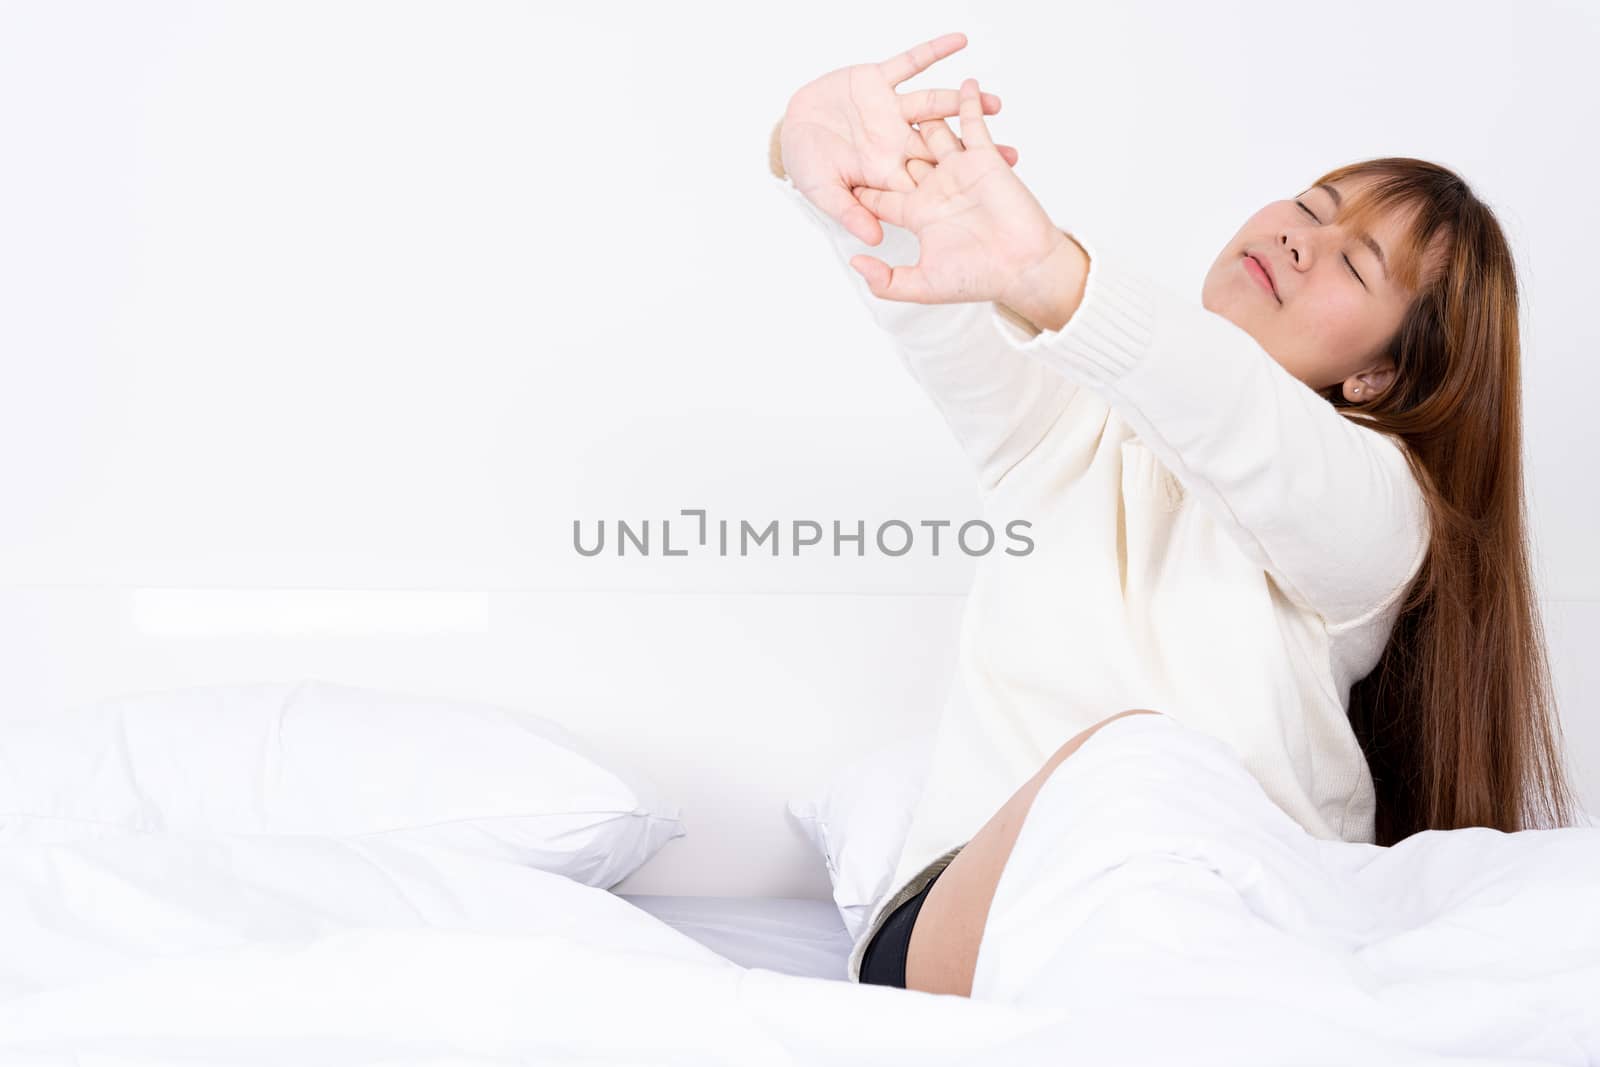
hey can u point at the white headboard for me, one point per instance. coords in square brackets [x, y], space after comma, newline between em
[730, 701]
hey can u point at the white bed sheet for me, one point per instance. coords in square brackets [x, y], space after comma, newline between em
[1157, 909]
[784, 934]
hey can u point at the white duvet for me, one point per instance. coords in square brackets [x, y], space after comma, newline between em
[1157, 909]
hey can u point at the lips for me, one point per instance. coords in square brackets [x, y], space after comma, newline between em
[1257, 268]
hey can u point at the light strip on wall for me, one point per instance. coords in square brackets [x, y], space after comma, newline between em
[304, 612]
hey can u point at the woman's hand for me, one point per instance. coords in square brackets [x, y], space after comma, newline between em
[850, 128]
[983, 235]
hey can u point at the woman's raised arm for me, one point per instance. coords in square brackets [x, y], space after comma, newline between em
[998, 403]
[850, 130]
[1330, 509]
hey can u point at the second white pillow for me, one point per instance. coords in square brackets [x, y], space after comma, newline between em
[859, 819]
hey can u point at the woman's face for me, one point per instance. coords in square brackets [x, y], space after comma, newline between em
[1335, 307]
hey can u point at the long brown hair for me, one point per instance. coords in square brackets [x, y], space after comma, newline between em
[1458, 719]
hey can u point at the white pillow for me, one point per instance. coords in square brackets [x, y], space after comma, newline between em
[319, 758]
[859, 820]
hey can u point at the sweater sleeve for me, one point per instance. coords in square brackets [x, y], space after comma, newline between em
[1329, 508]
[998, 402]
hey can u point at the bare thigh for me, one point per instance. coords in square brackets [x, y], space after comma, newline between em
[943, 951]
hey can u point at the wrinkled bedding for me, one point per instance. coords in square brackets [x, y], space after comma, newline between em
[1157, 909]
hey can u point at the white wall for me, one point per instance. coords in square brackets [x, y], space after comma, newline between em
[382, 296]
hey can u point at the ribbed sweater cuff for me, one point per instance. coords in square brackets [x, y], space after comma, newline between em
[1110, 331]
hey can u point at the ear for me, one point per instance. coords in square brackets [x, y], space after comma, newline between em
[1369, 384]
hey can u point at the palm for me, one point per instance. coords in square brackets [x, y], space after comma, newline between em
[847, 125]
[850, 128]
[977, 226]
[980, 233]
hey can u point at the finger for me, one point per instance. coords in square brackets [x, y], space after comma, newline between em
[837, 202]
[974, 134]
[916, 147]
[1007, 153]
[918, 169]
[887, 204]
[939, 104]
[939, 137]
[918, 58]
[891, 283]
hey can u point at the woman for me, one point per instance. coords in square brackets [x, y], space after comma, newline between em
[1290, 517]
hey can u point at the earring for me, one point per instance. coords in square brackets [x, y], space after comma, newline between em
[1356, 391]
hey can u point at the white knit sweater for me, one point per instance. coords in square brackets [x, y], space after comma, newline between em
[1211, 540]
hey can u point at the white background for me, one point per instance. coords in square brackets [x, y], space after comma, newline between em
[322, 322]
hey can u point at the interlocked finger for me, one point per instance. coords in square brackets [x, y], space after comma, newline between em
[940, 103]
[887, 204]
[940, 138]
[974, 133]
[917, 146]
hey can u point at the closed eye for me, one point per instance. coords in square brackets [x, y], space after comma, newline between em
[1347, 262]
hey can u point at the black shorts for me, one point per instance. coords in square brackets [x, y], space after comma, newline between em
[884, 962]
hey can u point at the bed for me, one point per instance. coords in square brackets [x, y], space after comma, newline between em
[217, 898]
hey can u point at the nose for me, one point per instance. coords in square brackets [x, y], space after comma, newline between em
[1292, 248]
[1297, 247]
